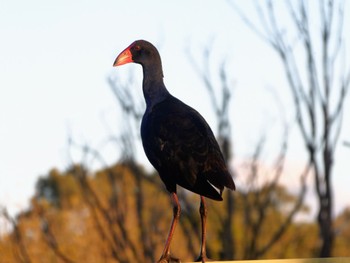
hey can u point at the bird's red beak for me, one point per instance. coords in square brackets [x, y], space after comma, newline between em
[123, 58]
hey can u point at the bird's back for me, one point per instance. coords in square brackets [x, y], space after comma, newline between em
[181, 146]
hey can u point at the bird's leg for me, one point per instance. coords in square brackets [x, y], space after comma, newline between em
[203, 212]
[165, 258]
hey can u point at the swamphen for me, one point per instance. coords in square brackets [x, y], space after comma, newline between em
[177, 141]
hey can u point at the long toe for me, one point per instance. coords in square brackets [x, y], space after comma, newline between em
[168, 259]
[202, 259]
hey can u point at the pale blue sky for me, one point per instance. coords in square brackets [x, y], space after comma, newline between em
[55, 57]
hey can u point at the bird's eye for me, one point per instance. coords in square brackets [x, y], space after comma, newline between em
[137, 47]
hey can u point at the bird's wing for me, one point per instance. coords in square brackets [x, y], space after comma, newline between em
[183, 142]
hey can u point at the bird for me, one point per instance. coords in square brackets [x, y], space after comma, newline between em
[178, 142]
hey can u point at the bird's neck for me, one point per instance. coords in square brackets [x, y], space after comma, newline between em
[154, 89]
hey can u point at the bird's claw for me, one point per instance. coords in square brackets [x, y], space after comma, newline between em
[202, 259]
[168, 259]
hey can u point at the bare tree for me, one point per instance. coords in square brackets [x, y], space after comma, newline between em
[257, 199]
[319, 83]
[132, 107]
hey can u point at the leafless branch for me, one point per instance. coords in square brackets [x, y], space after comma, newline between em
[250, 24]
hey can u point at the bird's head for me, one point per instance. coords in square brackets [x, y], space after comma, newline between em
[140, 52]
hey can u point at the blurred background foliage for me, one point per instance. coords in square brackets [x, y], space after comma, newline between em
[121, 214]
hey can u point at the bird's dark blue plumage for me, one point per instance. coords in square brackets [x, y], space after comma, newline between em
[181, 146]
[177, 140]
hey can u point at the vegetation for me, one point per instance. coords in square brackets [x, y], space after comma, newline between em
[121, 214]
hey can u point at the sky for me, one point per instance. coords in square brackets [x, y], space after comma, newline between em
[56, 56]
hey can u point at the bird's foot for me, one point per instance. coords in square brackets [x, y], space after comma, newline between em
[202, 259]
[168, 259]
